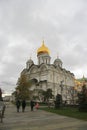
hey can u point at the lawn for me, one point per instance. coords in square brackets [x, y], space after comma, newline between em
[70, 112]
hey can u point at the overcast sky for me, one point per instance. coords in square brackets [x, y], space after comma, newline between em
[62, 24]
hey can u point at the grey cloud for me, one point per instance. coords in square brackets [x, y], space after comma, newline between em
[23, 26]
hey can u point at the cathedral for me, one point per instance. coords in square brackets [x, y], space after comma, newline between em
[46, 75]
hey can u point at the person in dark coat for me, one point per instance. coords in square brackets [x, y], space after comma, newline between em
[1, 99]
[18, 104]
[2, 106]
[32, 104]
[23, 105]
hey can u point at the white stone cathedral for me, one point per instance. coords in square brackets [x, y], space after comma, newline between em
[46, 75]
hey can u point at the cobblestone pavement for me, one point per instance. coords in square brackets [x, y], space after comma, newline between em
[39, 120]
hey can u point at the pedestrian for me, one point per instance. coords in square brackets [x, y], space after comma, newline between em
[37, 105]
[2, 107]
[23, 105]
[32, 104]
[18, 104]
[1, 99]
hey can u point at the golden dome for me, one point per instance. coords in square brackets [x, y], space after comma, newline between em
[43, 49]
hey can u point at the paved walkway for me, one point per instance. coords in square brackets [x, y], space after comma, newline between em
[38, 120]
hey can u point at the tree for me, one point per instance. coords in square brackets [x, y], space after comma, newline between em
[47, 94]
[58, 101]
[22, 90]
[82, 98]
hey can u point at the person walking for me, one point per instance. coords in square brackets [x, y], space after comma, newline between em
[37, 106]
[1, 99]
[32, 104]
[23, 105]
[18, 104]
[2, 106]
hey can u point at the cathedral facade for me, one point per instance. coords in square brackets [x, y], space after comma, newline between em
[46, 75]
